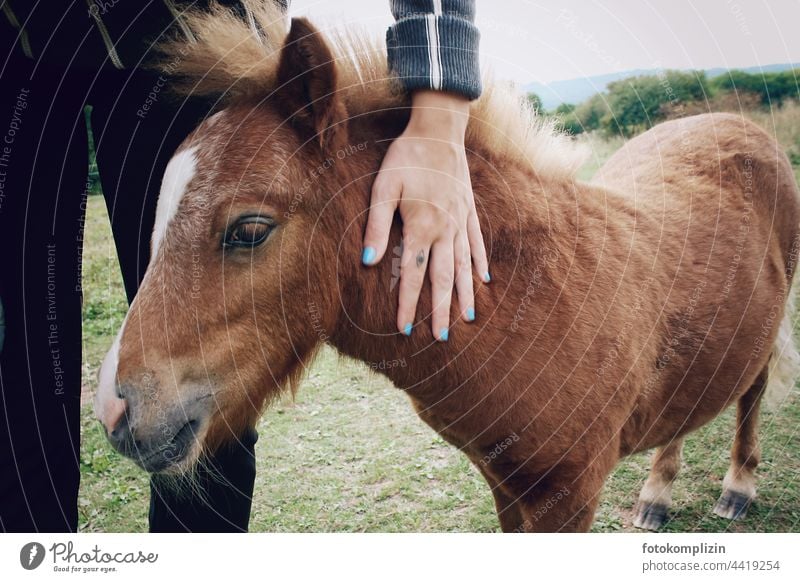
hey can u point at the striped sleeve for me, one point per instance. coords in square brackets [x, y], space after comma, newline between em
[434, 45]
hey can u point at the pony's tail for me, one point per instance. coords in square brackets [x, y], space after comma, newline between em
[784, 365]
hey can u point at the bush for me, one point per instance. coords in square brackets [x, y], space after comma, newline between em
[584, 117]
[535, 102]
[771, 88]
[567, 120]
[721, 101]
[565, 109]
[570, 124]
[636, 104]
[630, 106]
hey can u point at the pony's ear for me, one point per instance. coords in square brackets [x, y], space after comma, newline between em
[307, 92]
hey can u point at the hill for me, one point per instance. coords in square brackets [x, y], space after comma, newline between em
[578, 90]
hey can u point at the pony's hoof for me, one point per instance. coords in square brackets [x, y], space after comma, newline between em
[732, 505]
[650, 516]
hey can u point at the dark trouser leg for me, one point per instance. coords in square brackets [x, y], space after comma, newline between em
[133, 149]
[226, 493]
[43, 162]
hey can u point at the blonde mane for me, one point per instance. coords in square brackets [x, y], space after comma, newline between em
[236, 58]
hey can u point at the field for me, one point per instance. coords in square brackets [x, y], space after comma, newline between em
[350, 455]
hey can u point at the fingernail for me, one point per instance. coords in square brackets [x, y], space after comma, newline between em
[407, 329]
[368, 255]
[487, 277]
[444, 334]
[471, 314]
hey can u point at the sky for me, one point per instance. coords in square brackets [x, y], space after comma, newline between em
[549, 40]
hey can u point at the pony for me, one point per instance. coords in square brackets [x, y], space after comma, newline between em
[623, 313]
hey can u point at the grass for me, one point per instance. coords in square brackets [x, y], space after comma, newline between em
[600, 149]
[784, 123]
[350, 455]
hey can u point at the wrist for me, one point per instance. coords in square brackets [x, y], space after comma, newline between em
[439, 114]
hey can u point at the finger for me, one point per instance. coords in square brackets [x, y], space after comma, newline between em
[477, 247]
[441, 275]
[463, 274]
[386, 192]
[413, 264]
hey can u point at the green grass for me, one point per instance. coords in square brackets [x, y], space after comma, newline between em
[350, 455]
[600, 149]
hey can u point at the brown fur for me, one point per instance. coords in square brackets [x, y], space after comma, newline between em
[622, 314]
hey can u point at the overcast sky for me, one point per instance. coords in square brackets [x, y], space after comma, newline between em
[548, 40]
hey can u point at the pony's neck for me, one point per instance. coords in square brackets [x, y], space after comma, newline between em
[364, 309]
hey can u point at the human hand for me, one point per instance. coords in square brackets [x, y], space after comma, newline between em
[425, 175]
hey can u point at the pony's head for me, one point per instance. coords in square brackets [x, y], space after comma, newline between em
[213, 331]
[259, 220]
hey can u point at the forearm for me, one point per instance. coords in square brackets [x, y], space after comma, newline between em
[434, 45]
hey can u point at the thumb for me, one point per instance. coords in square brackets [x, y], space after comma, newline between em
[386, 192]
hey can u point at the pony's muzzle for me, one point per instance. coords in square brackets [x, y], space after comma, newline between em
[154, 456]
[157, 438]
[153, 422]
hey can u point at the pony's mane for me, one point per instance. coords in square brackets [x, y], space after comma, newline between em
[236, 59]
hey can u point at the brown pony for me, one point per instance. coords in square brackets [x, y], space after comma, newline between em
[623, 313]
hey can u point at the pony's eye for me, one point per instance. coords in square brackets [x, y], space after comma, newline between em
[250, 231]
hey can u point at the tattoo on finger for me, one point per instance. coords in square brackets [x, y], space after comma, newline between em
[421, 259]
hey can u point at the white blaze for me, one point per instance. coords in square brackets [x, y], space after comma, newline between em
[179, 173]
[108, 407]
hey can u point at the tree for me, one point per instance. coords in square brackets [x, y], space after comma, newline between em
[565, 108]
[535, 102]
[591, 112]
[570, 124]
[771, 88]
[638, 103]
[685, 86]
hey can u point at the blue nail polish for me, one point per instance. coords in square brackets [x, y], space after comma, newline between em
[407, 329]
[487, 277]
[368, 255]
[471, 314]
[444, 334]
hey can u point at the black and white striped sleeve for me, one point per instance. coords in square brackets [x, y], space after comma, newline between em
[434, 45]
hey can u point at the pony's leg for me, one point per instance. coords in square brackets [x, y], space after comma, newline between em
[567, 507]
[739, 484]
[655, 497]
[566, 501]
[508, 511]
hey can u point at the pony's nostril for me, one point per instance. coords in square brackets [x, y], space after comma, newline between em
[117, 432]
[110, 410]
[121, 436]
